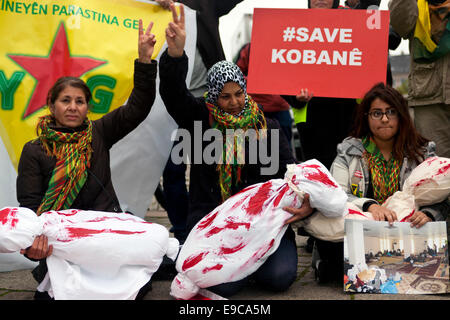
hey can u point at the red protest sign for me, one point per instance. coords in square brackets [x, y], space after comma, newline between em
[332, 52]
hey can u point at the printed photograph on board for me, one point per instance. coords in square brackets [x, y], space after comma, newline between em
[396, 259]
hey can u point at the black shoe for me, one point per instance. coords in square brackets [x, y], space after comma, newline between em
[309, 245]
[38, 295]
[166, 270]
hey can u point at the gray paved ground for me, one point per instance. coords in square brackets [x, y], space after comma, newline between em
[20, 285]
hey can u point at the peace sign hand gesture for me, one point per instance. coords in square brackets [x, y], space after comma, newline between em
[176, 33]
[146, 43]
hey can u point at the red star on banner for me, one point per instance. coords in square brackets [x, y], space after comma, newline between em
[46, 70]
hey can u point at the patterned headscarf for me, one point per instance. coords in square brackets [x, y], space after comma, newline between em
[73, 153]
[221, 73]
[250, 117]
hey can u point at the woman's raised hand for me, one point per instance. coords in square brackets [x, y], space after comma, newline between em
[304, 95]
[164, 3]
[176, 33]
[146, 43]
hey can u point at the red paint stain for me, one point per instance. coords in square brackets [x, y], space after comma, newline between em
[431, 160]
[408, 216]
[198, 296]
[8, 216]
[224, 250]
[256, 203]
[264, 250]
[421, 182]
[351, 211]
[319, 176]
[216, 267]
[443, 170]
[280, 196]
[207, 220]
[101, 219]
[255, 257]
[229, 224]
[67, 214]
[258, 255]
[239, 203]
[245, 190]
[78, 233]
[193, 260]
[294, 179]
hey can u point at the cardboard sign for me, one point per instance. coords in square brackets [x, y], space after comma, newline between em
[332, 52]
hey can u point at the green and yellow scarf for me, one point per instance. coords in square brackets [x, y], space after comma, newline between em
[432, 32]
[251, 118]
[384, 174]
[73, 153]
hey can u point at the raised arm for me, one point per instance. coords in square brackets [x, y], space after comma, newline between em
[180, 103]
[121, 121]
[176, 33]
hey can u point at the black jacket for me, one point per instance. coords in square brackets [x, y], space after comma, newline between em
[185, 109]
[36, 168]
[328, 122]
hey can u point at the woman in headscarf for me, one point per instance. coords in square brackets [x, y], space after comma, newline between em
[226, 107]
[67, 166]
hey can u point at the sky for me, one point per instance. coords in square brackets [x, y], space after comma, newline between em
[229, 23]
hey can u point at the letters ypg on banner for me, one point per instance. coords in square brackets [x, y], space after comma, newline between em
[97, 41]
[94, 40]
[333, 53]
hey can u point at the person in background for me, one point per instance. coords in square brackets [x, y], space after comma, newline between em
[316, 117]
[394, 38]
[426, 25]
[68, 165]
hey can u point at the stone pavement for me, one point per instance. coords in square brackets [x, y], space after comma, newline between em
[20, 285]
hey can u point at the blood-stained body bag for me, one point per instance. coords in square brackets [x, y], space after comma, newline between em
[237, 237]
[96, 255]
[428, 184]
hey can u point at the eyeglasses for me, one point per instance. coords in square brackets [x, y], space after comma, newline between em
[378, 115]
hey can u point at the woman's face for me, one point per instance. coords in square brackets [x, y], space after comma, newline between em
[385, 128]
[70, 108]
[232, 98]
[321, 4]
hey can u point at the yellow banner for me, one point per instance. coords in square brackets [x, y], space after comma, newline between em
[95, 40]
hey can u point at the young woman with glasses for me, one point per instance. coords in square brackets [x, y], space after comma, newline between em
[373, 163]
[382, 150]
